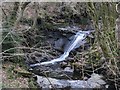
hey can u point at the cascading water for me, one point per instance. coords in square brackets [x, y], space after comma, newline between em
[77, 41]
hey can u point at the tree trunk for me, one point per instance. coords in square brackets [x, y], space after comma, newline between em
[118, 25]
[118, 31]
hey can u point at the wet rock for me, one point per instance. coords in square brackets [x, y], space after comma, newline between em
[60, 43]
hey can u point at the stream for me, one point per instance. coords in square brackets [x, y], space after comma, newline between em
[77, 40]
[50, 73]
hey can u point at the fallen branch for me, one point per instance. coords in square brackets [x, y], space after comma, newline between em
[36, 49]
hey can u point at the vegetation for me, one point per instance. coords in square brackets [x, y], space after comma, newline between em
[23, 32]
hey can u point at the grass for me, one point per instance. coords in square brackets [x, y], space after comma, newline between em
[12, 79]
[105, 15]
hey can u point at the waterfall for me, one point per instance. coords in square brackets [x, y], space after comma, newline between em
[77, 40]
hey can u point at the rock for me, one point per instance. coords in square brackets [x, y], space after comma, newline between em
[68, 69]
[59, 43]
[96, 80]
[46, 82]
